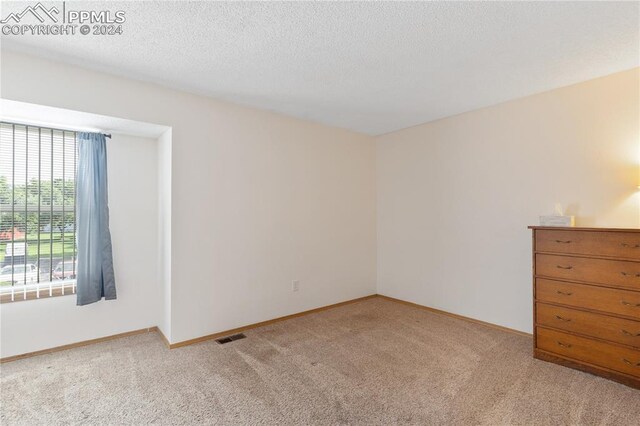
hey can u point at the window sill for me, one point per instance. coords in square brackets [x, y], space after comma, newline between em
[68, 288]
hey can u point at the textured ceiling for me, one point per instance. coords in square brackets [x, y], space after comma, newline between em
[371, 67]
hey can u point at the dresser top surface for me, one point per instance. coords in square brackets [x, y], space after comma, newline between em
[568, 228]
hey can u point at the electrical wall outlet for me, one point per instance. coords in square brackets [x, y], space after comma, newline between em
[295, 285]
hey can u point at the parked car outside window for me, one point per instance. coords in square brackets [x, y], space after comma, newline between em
[16, 274]
[69, 272]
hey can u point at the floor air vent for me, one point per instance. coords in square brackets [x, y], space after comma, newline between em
[228, 339]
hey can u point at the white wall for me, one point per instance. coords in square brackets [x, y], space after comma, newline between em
[258, 199]
[33, 325]
[164, 231]
[455, 196]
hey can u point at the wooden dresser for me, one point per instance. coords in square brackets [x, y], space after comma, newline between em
[586, 291]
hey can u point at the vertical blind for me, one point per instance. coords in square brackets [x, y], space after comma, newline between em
[37, 208]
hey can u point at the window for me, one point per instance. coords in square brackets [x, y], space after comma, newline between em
[37, 212]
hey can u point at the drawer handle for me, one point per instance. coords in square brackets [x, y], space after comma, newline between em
[625, 332]
[627, 274]
[564, 345]
[563, 241]
[626, 361]
[630, 245]
[635, 305]
[568, 293]
[564, 267]
[558, 317]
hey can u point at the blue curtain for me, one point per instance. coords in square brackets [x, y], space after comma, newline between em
[95, 278]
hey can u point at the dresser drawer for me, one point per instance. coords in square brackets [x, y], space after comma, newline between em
[599, 271]
[624, 360]
[624, 245]
[605, 327]
[607, 300]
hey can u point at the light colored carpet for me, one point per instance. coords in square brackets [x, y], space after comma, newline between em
[372, 362]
